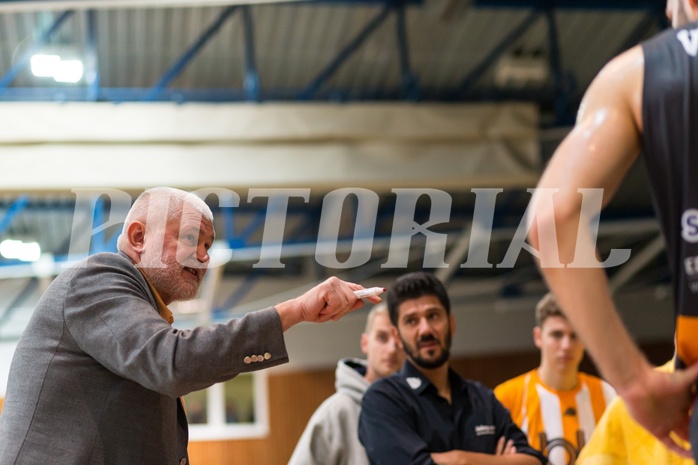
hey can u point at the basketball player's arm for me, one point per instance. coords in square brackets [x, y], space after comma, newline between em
[596, 155]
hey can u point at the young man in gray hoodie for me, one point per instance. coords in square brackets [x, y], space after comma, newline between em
[331, 436]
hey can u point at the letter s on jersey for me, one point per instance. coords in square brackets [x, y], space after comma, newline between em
[689, 225]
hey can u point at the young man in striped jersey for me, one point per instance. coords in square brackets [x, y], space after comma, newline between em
[556, 405]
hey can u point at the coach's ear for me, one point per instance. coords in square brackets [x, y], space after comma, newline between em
[135, 234]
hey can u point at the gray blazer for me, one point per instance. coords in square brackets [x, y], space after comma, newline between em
[97, 372]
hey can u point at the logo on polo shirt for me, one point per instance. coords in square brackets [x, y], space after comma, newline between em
[414, 382]
[482, 430]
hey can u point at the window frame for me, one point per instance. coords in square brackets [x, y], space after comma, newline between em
[216, 427]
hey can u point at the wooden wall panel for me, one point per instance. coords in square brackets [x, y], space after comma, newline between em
[293, 397]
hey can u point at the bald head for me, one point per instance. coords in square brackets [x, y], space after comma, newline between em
[156, 206]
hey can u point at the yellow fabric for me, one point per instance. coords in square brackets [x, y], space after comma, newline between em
[164, 312]
[619, 440]
[521, 396]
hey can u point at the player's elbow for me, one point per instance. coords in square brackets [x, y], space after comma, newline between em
[553, 231]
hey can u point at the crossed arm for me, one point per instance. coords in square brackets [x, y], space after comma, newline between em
[504, 455]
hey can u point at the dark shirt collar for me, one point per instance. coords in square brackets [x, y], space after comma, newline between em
[419, 383]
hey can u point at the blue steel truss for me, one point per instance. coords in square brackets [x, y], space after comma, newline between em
[557, 95]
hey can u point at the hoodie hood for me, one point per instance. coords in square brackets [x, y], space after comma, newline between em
[349, 378]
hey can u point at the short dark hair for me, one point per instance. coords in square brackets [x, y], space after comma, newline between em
[547, 307]
[413, 286]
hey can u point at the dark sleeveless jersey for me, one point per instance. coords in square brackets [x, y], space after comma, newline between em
[670, 143]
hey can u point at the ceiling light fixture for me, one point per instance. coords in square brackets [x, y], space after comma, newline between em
[59, 65]
[18, 250]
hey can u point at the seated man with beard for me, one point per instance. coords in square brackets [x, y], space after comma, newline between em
[426, 413]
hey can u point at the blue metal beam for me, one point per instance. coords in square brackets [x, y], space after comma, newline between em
[227, 216]
[97, 242]
[256, 223]
[574, 4]
[130, 94]
[21, 64]
[409, 80]
[498, 51]
[327, 73]
[251, 76]
[110, 94]
[92, 76]
[12, 212]
[184, 60]
[240, 292]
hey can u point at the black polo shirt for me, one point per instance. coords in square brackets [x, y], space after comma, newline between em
[403, 419]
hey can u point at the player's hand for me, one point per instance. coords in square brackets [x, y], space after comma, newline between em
[661, 403]
[331, 300]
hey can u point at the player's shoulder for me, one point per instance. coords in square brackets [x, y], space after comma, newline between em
[629, 62]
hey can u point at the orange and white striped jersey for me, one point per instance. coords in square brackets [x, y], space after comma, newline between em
[558, 423]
